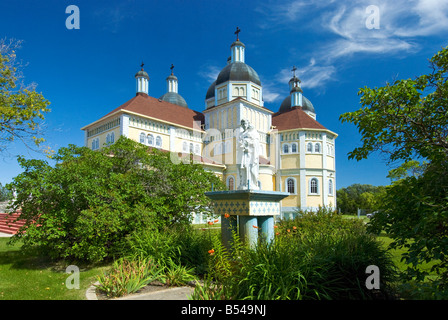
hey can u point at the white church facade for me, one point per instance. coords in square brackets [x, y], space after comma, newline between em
[297, 153]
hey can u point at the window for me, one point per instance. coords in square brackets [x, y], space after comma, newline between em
[196, 149]
[93, 144]
[317, 148]
[191, 148]
[231, 183]
[185, 147]
[285, 148]
[112, 137]
[314, 186]
[290, 185]
[294, 148]
[330, 187]
[142, 137]
[150, 139]
[309, 147]
[158, 141]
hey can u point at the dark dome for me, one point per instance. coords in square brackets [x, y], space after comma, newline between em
[238, 71]
[175, 98]
[211, 91]
[306, 104]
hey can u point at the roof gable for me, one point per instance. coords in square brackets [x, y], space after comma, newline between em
[162, 110]
[295, 118]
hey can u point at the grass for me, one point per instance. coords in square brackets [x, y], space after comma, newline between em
[31, 277]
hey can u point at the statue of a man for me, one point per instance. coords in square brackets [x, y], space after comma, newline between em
[249, 153]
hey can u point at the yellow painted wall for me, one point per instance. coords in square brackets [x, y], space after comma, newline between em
[313, 161]
[330, 163]
[102, 136]
[290, 161]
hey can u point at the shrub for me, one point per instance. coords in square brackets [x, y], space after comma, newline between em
[128, 276]
[90, 201]
[321, 257]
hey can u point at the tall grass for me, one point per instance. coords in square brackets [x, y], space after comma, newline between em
[316, 256]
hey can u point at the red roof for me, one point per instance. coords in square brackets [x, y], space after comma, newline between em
[295, 118]
[159, 109]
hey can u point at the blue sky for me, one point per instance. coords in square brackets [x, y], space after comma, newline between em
[87, 72]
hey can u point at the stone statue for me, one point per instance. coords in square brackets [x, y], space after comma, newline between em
[249, 154]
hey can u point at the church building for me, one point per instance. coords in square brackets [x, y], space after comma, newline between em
[297, 153]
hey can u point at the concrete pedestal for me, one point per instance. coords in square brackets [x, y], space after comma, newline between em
[248, 212]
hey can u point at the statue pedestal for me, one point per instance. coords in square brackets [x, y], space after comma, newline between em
[250, 213]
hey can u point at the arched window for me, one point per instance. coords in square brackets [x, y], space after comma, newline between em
[185, 147]
[97, 143]
[196, 149]
[93, 144]
[142, 137]
[231, 183]
[309, 147]
[330, 187]
[108, 139]
[294, 148]
[317, 148]
[158, 141]
[313, 186]
[150, 139]
[112, 137]
[290, 185]
[191, 148]
[285, 148]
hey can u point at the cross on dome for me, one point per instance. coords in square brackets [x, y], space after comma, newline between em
[238, 30]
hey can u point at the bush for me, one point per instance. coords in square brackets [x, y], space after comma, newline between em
[315, 256]
[128, 276]
[90, 202]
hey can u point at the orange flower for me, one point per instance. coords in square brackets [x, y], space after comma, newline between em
[275, 227]
[216, 221]
[255, 226]
[211, 252]
[288, 230]
[226, 215]
[295, 228]
[210, 223]
[277, 234]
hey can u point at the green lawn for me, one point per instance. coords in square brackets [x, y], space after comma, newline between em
[29, 277]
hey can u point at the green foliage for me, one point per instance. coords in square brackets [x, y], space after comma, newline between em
[5, 194]
[315, 256]
[176, 275]
[128, 276]
[183, 244]
[407, 122]
[415, 215]
[21, 108]
[362, 196]
[90, 202]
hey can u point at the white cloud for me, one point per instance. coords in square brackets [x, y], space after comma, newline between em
[401, 22]
[209, 72]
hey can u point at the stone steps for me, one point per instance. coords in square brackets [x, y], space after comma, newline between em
[10, 223]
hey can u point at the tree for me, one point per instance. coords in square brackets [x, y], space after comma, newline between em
[21, 107]
[408, 122]
[362, 196]
[5, 194]
[91, 201]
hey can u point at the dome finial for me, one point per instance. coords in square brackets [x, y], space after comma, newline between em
[294, 71]
[172, 67]
[238, 30]
[142, 65]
